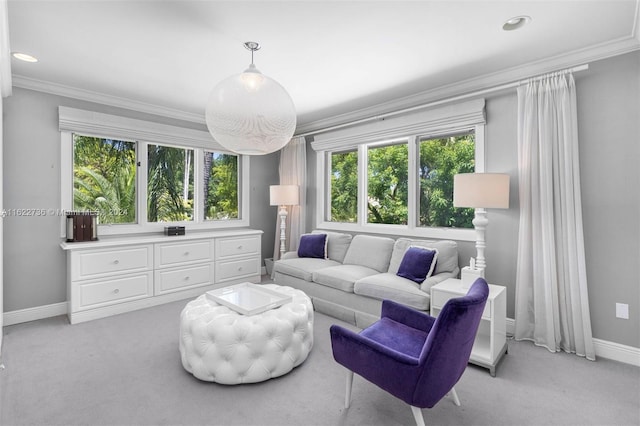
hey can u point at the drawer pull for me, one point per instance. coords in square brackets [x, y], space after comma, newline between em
[240, 247]
[186, 253]
[186, 278]
[240, 268]
[116, 291]
[115, 262]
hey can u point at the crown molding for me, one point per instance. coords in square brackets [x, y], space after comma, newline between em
[5, 51]
[104, 99]
[578, 57]
[594, 53]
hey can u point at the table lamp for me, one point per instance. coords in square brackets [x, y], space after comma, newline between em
[481, 191]
[283, 196]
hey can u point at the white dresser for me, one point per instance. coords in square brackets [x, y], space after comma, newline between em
[120, 274]
[491, 340]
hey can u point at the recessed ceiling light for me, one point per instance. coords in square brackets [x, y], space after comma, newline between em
[24, 57]
[516, 22]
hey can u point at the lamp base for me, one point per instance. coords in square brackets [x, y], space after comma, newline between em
[480, 222]
[283, 229]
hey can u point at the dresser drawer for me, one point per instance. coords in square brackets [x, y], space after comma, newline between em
[114, 290]
[234, 269]
[240, 246]
[174, 254]
[94, 263]
[439, 298]
[167, 281]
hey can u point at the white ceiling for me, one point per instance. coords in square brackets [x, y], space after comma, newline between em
[331, 56]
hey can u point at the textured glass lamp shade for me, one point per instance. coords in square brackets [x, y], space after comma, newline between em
[251, 114]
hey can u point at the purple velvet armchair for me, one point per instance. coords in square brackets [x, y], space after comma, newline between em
[411, 355]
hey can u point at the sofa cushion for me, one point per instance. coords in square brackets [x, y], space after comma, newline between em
[390, 286]
[342, 277]
[302, 267]
[369, 251]
[417, 263]
[313, 245]
[337, 244]
[447, 254]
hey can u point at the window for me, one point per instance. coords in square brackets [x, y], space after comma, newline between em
[388, 179]
[441, 159]
[395, 176]
[387, 184]
[220, 186]
[169, 184]
[144, 176]
[344, 187]
[104, 178]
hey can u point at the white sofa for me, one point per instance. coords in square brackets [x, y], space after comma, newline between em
[360, 272]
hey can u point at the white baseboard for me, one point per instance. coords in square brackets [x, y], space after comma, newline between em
[33, 314]
[511, 326]
[604, 348]
[617, 352]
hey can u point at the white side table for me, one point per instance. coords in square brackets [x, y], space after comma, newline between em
[491, 341]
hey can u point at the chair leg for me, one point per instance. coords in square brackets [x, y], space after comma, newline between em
[417, 414]
[347, 398]
[454, 395]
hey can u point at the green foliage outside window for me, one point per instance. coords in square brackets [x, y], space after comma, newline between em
[104, 178]
[105, 181]
[344, 187]
[387, 182]
[169, 184]
[440, 160]
[221, 186]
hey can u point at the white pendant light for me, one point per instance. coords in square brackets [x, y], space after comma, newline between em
[250, 113]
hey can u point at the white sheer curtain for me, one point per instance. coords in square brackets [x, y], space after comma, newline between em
[552, 306]
[293, 171]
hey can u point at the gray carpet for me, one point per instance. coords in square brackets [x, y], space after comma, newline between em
[126, 370]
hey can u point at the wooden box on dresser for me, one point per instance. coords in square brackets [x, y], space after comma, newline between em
[121, 274]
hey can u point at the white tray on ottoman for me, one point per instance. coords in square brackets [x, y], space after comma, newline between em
[248, 298]
[219, 344]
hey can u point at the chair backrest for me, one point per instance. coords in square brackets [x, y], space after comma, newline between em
[446, 352]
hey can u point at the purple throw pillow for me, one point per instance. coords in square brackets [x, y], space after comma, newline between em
[313, 245]
[418, 263]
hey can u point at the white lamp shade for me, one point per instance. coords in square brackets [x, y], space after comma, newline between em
[481, 190]
[284, 195]
[251, 114]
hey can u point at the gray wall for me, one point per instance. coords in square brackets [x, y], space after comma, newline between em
[608, 117]
[609, 133]
[35, 271]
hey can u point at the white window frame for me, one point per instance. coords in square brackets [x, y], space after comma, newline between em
[144, 133]
[430, 124]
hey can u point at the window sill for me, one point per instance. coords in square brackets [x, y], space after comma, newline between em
[135, 229]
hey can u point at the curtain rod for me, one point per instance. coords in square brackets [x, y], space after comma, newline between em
[440, 102]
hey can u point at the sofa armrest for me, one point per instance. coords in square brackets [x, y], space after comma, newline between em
[406, 315]
[435, 279]
[290, 255]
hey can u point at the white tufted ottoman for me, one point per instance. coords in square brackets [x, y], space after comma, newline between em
[220, 345]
